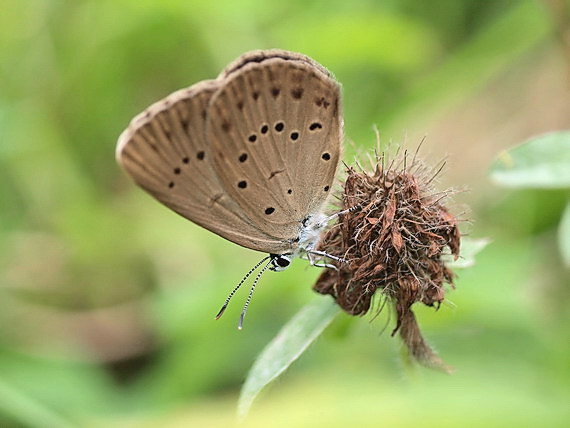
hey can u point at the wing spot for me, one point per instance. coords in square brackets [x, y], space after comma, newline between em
[289, 191]
[201, 155]
[264, 129]
[240, 105]
[269, 211]
[176, 170]
[294, 136]
[216, 198]
[274, 173]
[252, 138]
[314, 126]
[279, 126]
[243, 157]
[226, 126]
[255, 95]
[326, 189]
[326, 156]
[171, 185]
[242, 184]
[185, 124]
[297, 93]
[186, 160]
[275, 92]
[204, 114]
[322, 102]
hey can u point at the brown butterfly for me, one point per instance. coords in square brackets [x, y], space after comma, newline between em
[250, 155]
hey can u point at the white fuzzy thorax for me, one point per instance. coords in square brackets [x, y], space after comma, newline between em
[310, 233]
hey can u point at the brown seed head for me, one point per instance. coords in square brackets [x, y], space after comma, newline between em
[392, 240]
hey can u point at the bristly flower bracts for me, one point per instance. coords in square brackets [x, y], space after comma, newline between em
[393, 242]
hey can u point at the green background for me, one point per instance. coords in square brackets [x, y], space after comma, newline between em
[107, 298]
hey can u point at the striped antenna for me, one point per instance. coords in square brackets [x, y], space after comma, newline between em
[242, 316]
[221, 312]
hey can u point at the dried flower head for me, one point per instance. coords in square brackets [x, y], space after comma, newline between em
[392, 237]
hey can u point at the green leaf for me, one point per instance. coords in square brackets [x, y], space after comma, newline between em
[286, 347]
[564, 236]
[27, 410]
[542, 162]
[469, 249]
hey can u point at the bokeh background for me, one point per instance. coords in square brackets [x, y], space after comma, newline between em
[107, 298]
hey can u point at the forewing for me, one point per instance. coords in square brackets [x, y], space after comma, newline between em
[275, 130]
[165, 151]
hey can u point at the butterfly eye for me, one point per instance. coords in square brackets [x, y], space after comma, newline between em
[280, 262]
[283, 261]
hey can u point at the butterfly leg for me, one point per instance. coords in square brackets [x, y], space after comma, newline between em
[313, 262]
[323, 254]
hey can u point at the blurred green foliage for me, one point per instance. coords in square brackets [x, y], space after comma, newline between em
[107, 298]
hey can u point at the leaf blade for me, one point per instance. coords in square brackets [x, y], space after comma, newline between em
[542, 162]
[469, 249]
[291, 341]
[28, 410]
[564, 236]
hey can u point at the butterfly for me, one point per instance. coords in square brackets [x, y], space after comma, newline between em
[250, 155]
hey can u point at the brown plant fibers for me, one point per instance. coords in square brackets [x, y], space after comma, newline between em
[392, 240]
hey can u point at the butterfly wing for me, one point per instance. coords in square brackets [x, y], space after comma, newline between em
[165, 151]
[275, 130]
[265, 54]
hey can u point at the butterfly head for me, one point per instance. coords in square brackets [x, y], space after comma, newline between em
[280, 262]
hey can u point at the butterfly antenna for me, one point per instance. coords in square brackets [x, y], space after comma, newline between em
[242, 316]
[238, 286]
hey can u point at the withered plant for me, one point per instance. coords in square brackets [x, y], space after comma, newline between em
[393, 235]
